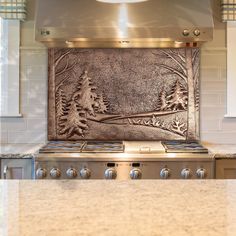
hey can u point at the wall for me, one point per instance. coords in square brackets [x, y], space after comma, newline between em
[32, 128]
[214, 127]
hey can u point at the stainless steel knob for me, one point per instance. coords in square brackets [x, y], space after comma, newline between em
[71, 173]
[165, 173]
[41, 173]
[201, 173]
[135, 174]
[186, 173]
[44, 32]
[110, 173]
[55, 173]
[185, 32]
[196, 32]
[85, 173]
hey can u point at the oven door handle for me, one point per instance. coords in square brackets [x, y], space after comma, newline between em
[5, 170]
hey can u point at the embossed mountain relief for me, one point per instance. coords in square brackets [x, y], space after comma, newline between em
[123, 94]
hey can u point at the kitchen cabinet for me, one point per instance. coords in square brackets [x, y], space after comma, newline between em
[16, 168]
[225, 168]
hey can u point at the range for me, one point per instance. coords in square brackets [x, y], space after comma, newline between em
[123, 160]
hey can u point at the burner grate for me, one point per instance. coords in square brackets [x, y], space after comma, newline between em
[184, 146]
[82, 146]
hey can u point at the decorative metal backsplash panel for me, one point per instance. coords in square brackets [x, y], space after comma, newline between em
[123, 94]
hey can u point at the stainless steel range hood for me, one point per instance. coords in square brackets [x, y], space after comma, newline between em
[131, 23]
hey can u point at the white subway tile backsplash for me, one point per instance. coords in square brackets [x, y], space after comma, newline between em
[34, 124]
[34, 110]
[27, 137]
[210, 100]
[16, 124]
[24, 86]
[36, 86]
[214, 59]
[31, 72]
[228, 124]
[33, 58]
[210, 74]
[23, 99]
[212, 113]
[219, 137]
[213, 86]
[35, 100]
[222, 99]
[223, 74]
[3, 124]
[3, 137]
[210, 125]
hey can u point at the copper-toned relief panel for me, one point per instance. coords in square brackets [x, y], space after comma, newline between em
[123, 94]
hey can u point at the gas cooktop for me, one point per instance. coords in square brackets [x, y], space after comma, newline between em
[119, 147]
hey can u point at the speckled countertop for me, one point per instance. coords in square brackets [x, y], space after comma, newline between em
[222, 150]
[99, 207]
[19, 150]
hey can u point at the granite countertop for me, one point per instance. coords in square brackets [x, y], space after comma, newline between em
[19, 150]
[100, 207]
[222, 150]
[16, 156]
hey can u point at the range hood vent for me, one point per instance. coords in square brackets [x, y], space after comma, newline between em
[128, 24]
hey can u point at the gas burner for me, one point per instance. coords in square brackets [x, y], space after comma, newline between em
[62, 146]
[183, 146]
[82, 146]
[100, 146]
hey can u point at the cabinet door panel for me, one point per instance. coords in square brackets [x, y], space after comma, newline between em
[16, 169]
[226, 169]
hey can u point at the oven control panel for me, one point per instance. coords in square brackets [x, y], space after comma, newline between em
[124, 170]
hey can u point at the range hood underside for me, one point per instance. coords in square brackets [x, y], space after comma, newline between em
[151, 24]
[138, 38]
[118, 43]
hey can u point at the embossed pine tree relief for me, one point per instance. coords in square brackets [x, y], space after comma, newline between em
[74, 121]
[131, 94]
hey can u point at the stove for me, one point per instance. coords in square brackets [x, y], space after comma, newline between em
[123, 160]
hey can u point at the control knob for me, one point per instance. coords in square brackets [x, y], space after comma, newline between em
[196, 32]
[55, 173]
[165, 173]
[71, 173]
[85, 173]
[185, 32]
[186, 173]
[201, 173]
[135, 174]
[41, 173]
[110, 173]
